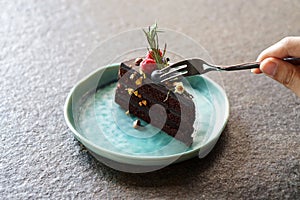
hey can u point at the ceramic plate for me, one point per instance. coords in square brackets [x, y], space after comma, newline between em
[104, 128]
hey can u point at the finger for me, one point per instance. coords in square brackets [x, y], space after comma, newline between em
[286, 47]
[283, 72]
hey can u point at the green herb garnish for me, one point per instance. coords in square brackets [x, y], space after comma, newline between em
[152, 38]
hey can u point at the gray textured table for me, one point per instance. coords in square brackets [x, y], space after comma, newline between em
[44, 42]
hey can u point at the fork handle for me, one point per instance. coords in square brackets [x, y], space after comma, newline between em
[292, 60]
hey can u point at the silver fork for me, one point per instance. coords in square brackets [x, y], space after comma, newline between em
[196, 66]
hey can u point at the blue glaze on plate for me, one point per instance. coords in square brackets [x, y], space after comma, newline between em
[101, 118]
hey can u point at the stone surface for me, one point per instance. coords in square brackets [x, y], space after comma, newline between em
[43, 43]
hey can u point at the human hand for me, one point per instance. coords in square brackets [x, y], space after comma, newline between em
[273, 66]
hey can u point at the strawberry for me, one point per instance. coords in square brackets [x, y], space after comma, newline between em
[150, 54]
[148, 65]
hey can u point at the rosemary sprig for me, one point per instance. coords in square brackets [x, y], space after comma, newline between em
[152, 38]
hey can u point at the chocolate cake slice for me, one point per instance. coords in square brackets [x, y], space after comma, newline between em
[163, 105]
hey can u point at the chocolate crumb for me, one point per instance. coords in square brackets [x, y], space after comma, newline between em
[136, 124]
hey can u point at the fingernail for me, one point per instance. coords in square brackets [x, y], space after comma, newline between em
[270, 68]
[255, 71]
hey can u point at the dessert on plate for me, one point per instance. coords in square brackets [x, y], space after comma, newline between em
[165, 105]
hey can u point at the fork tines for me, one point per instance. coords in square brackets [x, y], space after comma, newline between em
[174, 73]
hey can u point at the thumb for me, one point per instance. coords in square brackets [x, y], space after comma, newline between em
[283, 72]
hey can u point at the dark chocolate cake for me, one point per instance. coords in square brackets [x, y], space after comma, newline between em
[165, 105]
[136, 93]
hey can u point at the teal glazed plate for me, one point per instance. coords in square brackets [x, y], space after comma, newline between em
[107, 132]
